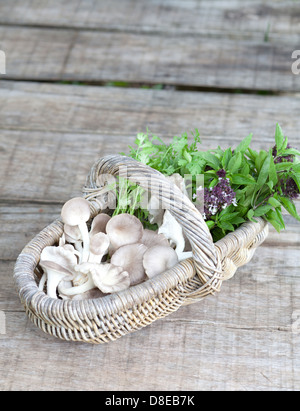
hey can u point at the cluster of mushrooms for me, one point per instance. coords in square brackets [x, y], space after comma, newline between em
[110, 254]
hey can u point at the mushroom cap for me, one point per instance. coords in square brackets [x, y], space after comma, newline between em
[72, 233]
[159, 259]
[99, 224]
[107, 277]
[62, 259]
[124, 229]
[99, 244]
[76, 211]
[130, 258]
[151, 238]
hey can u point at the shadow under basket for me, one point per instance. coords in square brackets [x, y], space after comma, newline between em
[108, 318]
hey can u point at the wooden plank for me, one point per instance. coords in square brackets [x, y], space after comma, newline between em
[52, 134]
[165, 16]
[88, 56]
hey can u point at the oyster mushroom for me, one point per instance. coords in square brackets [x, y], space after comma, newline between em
[151, 238]
[172, 230]
[99, 245]
[130, 258]
[58, 264]
[99, 224]
[73, 236]
[124, 229]
[106, 277]
[76, 212]
[158, 259]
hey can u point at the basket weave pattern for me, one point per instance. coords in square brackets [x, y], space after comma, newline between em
[113, 316]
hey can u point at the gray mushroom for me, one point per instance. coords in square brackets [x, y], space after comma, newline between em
[130, 258]
[106, 277]
[76, 212]
[159, 259]
[124, 229]
[58, 264]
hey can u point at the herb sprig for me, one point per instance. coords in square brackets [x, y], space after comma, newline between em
[240, 184]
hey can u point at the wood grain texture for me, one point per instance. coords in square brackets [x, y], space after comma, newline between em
[52, 134]
[163, 16]
[78, 55]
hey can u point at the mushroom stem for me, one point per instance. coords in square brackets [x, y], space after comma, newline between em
[185, 255]
[53, 279]
[86, 242]
[42, 282]
[87, 286]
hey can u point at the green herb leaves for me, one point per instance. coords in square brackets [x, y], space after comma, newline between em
[256, 183]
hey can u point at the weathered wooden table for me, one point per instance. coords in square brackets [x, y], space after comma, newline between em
[82, 79]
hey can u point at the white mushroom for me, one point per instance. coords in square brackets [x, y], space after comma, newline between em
[76, 212]
[179, 181]
[172, 230]
[73, 236]
[159, 259]
[130, 258]
[106, 277]
[151, 238]
[124, 229]
[156, 212]
[99, 224]
[99, 245]
[58, 264]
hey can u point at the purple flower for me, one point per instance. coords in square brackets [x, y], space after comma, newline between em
[289, 158]
[217, 198]
[289, 188]
[221, 173]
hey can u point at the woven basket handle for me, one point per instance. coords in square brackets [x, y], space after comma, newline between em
[205, 255]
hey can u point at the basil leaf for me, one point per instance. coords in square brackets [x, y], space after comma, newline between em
[279, 138]
[244, 145]
[275, 203]
[290, 207]
[262, 210]
[264, 172]
[272, 171]
[242, 180]
[235, 163]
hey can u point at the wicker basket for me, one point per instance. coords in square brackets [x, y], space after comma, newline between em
[113, 316]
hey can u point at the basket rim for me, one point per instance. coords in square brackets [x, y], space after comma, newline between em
[41, 303]
[32, 297]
